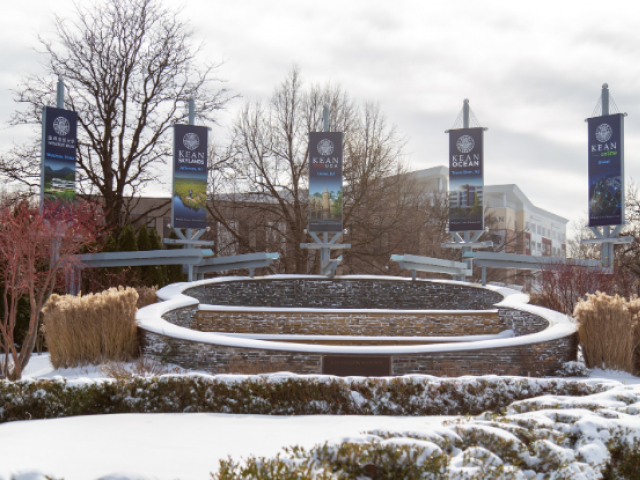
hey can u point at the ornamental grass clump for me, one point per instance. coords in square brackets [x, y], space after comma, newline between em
[91, 329]
[608, 331]
[147, 296]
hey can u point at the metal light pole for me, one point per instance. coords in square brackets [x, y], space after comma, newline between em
[467, 242]
[192, 121]
[607, 248]
[192, 112]
[605, 99]
[60, 93]
[327, 266]
[188, 240]
[607, 237]
[465, 113]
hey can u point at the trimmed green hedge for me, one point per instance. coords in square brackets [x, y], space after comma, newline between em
[276, 395]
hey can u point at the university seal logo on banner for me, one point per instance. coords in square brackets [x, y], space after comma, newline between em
[61, 126]
[465, 144]
[325, 147]
[603, 132]
[191, 141]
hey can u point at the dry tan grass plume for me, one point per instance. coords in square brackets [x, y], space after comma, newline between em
[91, 329]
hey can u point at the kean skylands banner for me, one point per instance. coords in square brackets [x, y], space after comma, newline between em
[606, 170]
[466, 179]
[189, 203]
[59, 144]
[325, 182]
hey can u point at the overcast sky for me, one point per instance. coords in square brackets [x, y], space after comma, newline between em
[532, 71]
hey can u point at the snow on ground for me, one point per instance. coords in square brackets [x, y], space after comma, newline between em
[170, 446]
[40, 367]
[189, 446]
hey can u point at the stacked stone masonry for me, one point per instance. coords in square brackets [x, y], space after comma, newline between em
[361, 323]
[536, 359]
[528, 360]
[343, 293]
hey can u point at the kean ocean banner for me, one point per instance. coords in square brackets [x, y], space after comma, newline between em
[189, 202]
[325, 182]
[606, 170]
[59, 145]
[466, 179]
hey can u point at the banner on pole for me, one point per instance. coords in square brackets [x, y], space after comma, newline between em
[466, 179]
[606, 170]
[189, 202]
[325, 182]
[59, 146]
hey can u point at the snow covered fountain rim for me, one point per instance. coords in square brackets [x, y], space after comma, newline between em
[172, 297]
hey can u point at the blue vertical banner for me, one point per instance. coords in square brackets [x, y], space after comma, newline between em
[59, 147]
[189, 202]
[606, 170]
[466, 179]
[325, 182]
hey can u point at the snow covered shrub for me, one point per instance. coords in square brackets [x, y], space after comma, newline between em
[573, 369]
[625, 462]
[607, 331]
[347, 460]
[277, 394]
[544, 438]
[91, 329]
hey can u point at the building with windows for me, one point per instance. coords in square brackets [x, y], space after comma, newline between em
[523, 227]
[417, 205]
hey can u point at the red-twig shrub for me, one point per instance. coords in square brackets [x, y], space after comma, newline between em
[561, 284]
[37, 248]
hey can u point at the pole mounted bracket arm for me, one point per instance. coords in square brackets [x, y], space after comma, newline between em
[325, 245]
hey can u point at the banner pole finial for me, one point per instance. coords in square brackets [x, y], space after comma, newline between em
[605, 99]
[465, 113]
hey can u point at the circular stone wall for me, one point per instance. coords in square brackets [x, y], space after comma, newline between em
[344, 293]
[355, 325]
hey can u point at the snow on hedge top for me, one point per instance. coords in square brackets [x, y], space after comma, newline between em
[150, 318]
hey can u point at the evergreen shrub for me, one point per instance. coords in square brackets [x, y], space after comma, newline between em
[276, 394]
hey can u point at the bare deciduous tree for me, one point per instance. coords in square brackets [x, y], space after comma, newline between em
[130, 67]
[266, 185]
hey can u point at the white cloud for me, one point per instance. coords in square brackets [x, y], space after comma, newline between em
[532, 71]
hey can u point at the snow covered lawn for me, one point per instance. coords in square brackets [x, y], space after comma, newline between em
[169, 446]
[189, 446]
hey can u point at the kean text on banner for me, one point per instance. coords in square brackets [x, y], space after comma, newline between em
[189, 202]
[325, 182]
[466, 179]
